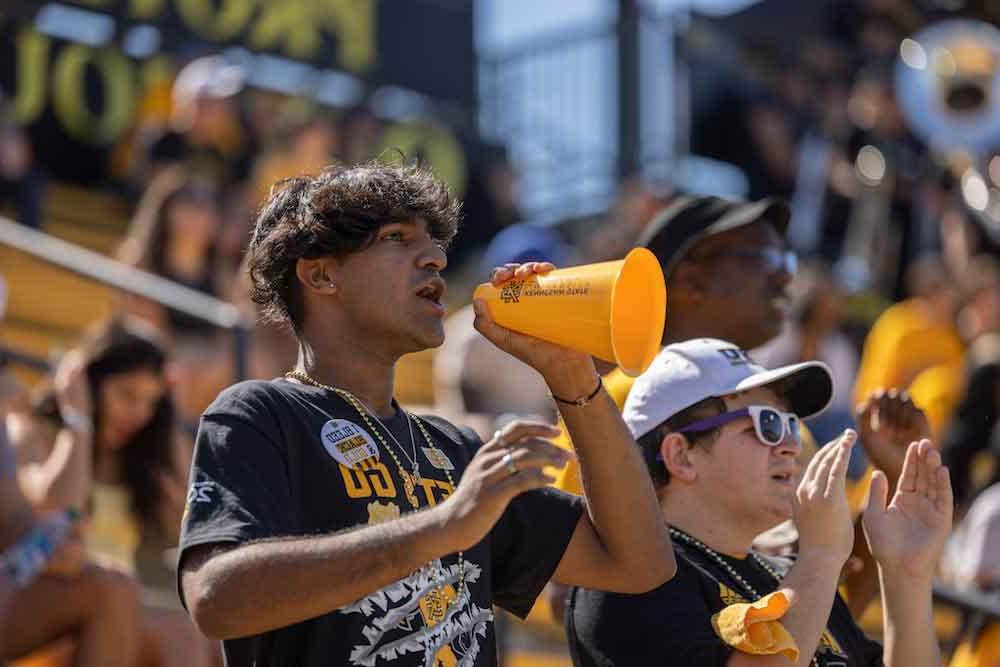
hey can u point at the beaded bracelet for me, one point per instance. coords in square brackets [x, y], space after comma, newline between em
[580, 402]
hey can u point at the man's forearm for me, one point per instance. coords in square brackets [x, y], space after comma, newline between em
[620, 496]
[813, 579]
[861, 586]
[306, 577]
[908, 621]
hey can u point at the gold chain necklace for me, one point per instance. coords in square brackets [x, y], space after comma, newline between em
[729, 569]
[409, 480]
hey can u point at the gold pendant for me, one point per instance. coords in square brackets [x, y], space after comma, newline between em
[409, 488]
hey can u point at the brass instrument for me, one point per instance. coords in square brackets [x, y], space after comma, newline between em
[947, 83]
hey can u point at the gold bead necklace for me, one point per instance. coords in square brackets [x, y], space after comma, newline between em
[678, 534]
[410, 480]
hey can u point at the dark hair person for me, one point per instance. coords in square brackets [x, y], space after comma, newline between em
[331, 526]
[175, 234]
[113, 385]
[103, 439]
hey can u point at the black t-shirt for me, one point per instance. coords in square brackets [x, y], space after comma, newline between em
[270, 462]
[671, 625]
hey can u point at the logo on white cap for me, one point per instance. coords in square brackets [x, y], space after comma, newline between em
[689, 372]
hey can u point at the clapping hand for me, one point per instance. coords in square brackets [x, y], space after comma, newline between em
[908, 533]
[888, 421]
[821, 511]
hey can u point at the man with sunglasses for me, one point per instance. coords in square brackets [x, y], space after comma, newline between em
[727, 267]
[720, 436]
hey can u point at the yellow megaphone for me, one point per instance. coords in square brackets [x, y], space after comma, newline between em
[611, 310]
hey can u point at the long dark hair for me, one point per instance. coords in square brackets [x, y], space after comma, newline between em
[119, 347]
[146, 244]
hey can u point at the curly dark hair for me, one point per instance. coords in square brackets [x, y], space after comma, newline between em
[336, 213]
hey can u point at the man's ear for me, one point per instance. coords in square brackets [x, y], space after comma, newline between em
[316, 275]
[688, 282]
[675, 451]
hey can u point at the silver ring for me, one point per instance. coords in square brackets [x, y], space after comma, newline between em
[498, 436]
[508, 461]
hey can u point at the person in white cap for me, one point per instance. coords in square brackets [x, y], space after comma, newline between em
[720, 435]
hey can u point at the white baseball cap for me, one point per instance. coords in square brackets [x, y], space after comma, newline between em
[689, 372]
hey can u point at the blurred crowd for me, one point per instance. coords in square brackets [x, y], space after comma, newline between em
[897, 290]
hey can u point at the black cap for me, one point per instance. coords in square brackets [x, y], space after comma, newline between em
[686, 220]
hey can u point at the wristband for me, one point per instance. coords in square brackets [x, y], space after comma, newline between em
[580, 402]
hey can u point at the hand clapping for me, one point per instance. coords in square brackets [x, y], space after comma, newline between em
[908, 533]
[821, 511]
[888, 421]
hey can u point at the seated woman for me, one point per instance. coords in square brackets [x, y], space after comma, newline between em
[103, 440]
[176, 233]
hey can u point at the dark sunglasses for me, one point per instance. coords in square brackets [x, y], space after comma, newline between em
[770, 424]
[773, 259]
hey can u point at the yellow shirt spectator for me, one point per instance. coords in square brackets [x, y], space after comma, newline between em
[904, 341]
[937, 391]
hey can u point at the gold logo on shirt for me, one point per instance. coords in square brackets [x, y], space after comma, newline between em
[729, 596]
[438, 458]
[379, 513]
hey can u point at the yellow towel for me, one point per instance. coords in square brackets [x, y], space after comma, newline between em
[754, 628]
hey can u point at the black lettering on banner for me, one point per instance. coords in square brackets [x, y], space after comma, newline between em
[68, 94]
[218, 25]
[435, 142]
[32, 57]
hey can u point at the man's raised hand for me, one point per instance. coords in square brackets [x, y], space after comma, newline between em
[541, 355]
[821, 511]
[512, 462]
[888, 422]
[908, 532]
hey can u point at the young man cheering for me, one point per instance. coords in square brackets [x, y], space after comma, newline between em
[720, 435]
[327, 526]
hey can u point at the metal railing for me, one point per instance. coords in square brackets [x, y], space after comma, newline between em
[122, 277]
[18, 357]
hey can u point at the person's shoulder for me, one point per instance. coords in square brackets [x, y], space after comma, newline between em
[459, 436]
[689, 572]
[247, 396]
